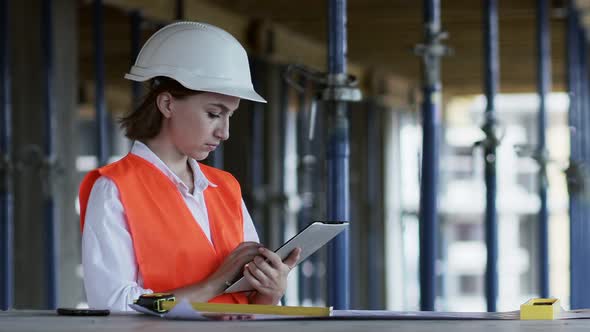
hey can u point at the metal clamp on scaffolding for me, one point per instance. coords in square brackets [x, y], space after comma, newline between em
[328, 87]
[341, 87]
[492, 139]
[432, 50]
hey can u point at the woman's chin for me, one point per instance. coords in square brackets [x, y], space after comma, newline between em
[199, 156]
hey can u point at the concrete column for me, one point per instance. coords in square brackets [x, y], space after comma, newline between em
[66, 105]
[396, 287]
[274, 160]
[28, 108]
[27, 126]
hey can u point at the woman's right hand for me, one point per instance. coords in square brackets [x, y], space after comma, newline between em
[233, 265]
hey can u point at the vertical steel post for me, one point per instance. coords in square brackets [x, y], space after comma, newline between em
[338, 160]
[572, 72]
[257, 147]
[6, 184]
[431, 88]
[136, 21]
[51, 229]
[577, 172]
[543, 88]
[582, 228]
[101, 114]
[491, 77]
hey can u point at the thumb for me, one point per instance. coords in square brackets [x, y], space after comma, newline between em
[293, 257]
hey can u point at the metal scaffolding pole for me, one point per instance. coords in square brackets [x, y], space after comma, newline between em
[581, 228]
[6, 184]
[543, 88]
[572, 72]
[577, 70]
[338, 159]
[431, 51]
[257, 171]
[99, 96]
[491, 77]
[51, 226]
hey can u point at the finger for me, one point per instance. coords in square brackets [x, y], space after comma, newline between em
[255, 283]
[261, 264]
[293, 258]
[247, 246]
[245, 255]
[244, 246]
[258, 273]
[248, 254]
[250, 243]
[271, 256]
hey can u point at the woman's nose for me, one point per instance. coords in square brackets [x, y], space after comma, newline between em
[222, 131]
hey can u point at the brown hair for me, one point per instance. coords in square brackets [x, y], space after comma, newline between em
[145, 121]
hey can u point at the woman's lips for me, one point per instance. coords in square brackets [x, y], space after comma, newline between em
[211, 147]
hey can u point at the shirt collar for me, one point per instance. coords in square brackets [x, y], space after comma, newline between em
[200, 180]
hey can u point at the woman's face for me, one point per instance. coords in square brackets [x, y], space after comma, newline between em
[197, 124]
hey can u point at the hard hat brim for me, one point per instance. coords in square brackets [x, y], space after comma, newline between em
[206, 84]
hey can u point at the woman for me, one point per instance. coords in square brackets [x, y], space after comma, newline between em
[157, 220]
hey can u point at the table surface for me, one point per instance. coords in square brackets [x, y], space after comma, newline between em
[38, 320]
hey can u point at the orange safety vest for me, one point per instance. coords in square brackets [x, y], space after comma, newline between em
[171, 249]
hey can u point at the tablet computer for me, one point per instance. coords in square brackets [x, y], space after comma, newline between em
[310, 239]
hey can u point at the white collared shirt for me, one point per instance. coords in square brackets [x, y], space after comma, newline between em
[111, 275]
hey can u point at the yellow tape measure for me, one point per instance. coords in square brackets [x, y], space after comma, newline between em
[540, 309]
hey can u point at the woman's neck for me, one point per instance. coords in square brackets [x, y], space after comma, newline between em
[167, 152]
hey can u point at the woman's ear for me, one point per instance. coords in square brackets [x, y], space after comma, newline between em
[164, 103]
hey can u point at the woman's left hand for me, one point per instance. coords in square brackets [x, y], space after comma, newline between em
[268, 275]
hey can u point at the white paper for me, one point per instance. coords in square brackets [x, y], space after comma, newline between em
[575, 314]
[426, 315]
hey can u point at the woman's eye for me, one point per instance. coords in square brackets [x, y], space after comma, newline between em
[213, 115]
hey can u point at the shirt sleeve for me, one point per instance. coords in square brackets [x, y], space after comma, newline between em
[250, 233]
[111, 274]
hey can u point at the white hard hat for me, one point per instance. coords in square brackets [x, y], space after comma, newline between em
[199, 56]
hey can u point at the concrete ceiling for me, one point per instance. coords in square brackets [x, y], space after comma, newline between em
[381, 37]
[382, 33]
